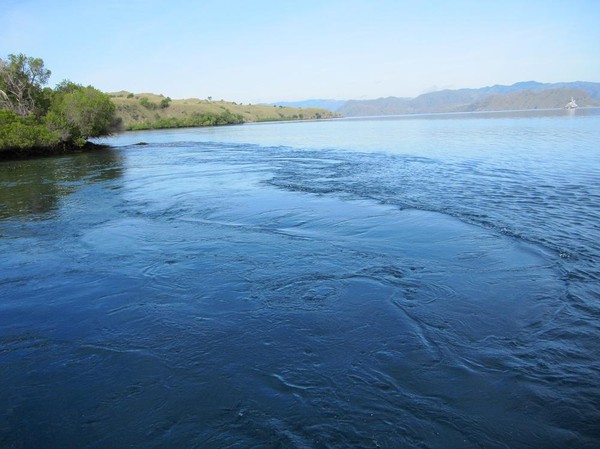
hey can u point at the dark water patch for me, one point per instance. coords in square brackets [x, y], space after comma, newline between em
[35, 188]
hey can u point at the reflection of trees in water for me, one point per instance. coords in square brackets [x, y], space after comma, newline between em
[35, 186]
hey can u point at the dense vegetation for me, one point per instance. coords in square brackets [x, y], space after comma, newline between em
[150, 111]
[37, 120]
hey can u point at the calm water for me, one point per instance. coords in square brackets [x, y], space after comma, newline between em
[427, 282]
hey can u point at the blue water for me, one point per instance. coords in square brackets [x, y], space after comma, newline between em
[422, 281]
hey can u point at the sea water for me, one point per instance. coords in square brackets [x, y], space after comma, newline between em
[419, 281]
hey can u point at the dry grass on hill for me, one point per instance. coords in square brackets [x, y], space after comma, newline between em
[147, 111]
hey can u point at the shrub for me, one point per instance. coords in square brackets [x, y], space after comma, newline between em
[164, 103]
[147, 103]
[79, 112]
[20, 133]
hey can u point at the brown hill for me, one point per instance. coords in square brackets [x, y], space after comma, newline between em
[151, 111]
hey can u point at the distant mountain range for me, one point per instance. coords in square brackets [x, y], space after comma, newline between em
[330, 105]
[523, 95]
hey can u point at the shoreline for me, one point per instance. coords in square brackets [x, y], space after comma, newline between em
[464, 114]
[41, 152]
[67, 149]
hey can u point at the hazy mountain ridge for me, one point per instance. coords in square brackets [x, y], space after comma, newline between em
[379, 106]
[530, 99]
[521, 95]
[330, 105]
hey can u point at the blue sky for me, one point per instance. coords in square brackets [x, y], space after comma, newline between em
[264, 50]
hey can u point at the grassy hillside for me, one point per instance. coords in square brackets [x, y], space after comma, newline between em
[151, 111]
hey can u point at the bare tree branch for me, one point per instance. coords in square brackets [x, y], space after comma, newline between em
[21, 80]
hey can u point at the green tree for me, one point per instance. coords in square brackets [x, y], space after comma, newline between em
[148, 104]
[35, 119]
[164, 103]
[22, 133]
[79, 113]
[21, 85]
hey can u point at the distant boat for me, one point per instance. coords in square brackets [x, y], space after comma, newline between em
[571, 104]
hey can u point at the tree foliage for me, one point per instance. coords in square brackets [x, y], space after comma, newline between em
[164, 103]
[196, 119]
[79, 112]
[147, 103]
[33, 117]
[21, 85]
[23, 133]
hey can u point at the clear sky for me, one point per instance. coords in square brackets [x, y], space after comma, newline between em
[275, 50]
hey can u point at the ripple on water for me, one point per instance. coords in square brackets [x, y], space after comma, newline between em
[209, 308]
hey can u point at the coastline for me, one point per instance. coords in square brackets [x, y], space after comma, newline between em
[56, 150]
[65, 148]
[145, 111]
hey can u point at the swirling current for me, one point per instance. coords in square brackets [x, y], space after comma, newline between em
[426, 282]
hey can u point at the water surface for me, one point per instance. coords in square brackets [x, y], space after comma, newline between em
[402, 282]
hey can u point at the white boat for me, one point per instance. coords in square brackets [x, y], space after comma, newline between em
[571, 104]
